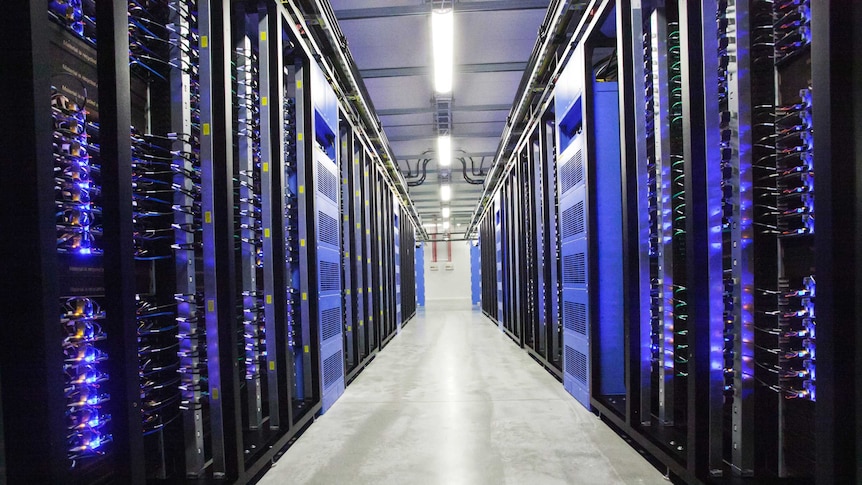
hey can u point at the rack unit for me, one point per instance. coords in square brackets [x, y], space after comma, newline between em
[182, 204]
[692, 279]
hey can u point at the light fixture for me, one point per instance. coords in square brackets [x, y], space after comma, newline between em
[442, 33]
[444, 150]
[445, 192]
[445, 225]
[446, 211]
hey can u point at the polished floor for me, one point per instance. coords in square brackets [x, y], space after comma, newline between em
[452, 400]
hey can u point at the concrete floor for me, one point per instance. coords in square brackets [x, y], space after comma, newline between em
[453, 401]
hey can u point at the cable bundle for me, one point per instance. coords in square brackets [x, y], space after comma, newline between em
[792, 28]
[292, 229]
[76, 15]
[652, 201]
[246, 79]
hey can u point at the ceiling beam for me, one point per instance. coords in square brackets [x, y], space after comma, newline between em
[426, 71]
[461, 7]
[494, 134]
[455, 107]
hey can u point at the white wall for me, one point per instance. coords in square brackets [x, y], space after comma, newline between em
[447, 288]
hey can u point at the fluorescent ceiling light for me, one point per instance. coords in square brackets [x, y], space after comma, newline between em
[446, 193]
[444, 150]
[446, 212]
[446, 225]
[442, 33]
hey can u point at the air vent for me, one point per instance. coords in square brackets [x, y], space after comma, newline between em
[576, 364]
[330, 323]
[575, 269]
[572, 172]
[573, 220]
[330, 276]
[333, 369]
[575, 317]
[327, 183]
[327, 228]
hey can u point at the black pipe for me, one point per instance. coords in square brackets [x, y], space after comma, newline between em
[421, 180]
[467, 177]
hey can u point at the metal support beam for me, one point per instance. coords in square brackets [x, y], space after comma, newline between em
[455, 108]
[460, 69]
[462, 7]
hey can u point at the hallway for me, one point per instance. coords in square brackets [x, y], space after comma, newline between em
[452, 400]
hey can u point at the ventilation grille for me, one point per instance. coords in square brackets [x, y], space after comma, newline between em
[327, 183]
[330, 276]
[573, 220]
[572, 173]
[327, 228]
[333, 369]
[575, 317]
[576, 364]
[575, 269]
[330, 323]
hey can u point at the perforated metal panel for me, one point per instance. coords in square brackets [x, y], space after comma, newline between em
[330, 276]
[575, 317]
[327, 231]
[574, 222]
[333, 370]
[330, 323]
[327, 183]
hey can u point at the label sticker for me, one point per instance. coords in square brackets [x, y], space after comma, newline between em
[264, 100]
[205, 41]
[266, 232]
[269, 299]
[271, 365]
[206, 129]
[263, 35]
[211, 305]
[266, 166]
[208, 217]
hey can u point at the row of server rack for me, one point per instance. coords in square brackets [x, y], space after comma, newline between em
[201, 247]
[653, 240]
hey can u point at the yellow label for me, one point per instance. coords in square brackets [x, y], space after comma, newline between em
[205, 41]
[211, 305]
[356, 161]
[271, 365]
[371, 319]
[266, 167]
[301, 189]
[349, 328]
[347, 292]
[305, 349]
[357, 193]
[264, 100]
[360, 323]
[299, 136]
[299, 84]
[206, 129]
[358, 225]
[305, 297]
[344, 144]
[344, 180]
[208, 217]
[302, 242]
[269, 299]
[368, 232]
[215, 393]
[366, 203]
[360, 291]
[263, 35]
[345, 217]
[266, 232]
[347, 255]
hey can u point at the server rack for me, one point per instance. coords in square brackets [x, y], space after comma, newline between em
[699, 127]
[172, 158]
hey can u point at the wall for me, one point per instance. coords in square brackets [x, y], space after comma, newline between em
[447, 288]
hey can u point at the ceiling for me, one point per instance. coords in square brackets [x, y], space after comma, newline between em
[390, 41]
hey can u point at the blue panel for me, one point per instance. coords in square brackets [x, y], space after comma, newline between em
[475, 274]
[420, 275]
[608, 228]
[574, 255]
